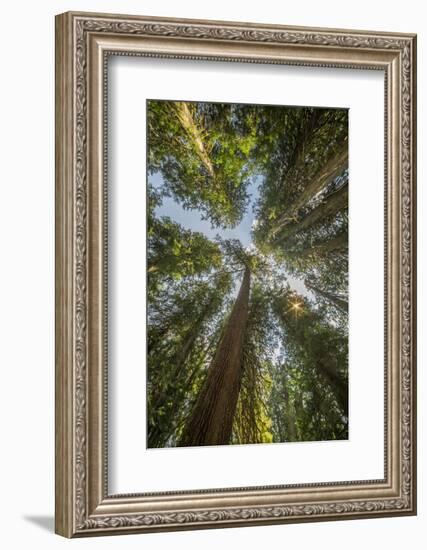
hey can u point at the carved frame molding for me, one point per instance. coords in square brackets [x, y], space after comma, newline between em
[83, 44]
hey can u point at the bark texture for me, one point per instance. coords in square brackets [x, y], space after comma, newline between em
[211, 420]
[330, 206]
[333, 168]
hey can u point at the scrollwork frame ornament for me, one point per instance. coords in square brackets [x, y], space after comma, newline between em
[83, 43]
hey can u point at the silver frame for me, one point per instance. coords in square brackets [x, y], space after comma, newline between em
[83, 43]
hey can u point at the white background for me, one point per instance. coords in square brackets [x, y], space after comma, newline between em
[27, 275]
[133, 468]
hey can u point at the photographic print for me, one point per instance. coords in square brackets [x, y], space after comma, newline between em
[247, 274]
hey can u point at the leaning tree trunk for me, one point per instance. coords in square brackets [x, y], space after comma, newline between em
[331, 205]
[156, 436]
[335, 300]
[211, 420]
[338, 243]
[334, 167]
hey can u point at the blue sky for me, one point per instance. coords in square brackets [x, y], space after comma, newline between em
[192, 219]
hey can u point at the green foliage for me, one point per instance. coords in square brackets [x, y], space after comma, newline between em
[203, 154]
[182, 328]
[300, 143]
[294, 371]
[315, 368]
[252, 423]
[303, 407]
[303, 207]
[174, 252]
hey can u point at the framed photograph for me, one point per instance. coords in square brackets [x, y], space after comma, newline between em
[235, 274]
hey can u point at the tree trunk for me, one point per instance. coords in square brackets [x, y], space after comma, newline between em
[187, 121]
[155, 437]
[340, 242]
[331, 205]
[211, 420]
[335, 300]
[333, 168]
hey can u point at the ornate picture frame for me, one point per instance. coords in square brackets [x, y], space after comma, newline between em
[84, 42]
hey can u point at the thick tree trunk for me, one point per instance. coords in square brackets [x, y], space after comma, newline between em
[155, 437]
[331, 205]
[196, 136]
[211, 420]
[333, 168]
[335, 300]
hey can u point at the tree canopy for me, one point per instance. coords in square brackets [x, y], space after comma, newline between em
[203, 152]
[247, 344]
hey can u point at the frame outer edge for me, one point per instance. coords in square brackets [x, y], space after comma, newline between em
[413, 160]
[72, 399]
[64, 237]
[153, 19]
